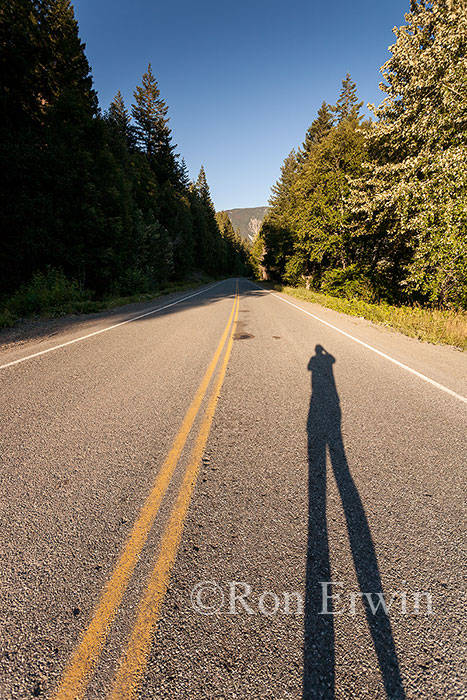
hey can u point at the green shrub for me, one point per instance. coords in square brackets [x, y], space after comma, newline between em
[350, 283]
[50, 293]
[134, 281]
[46, 292]
[6, 319]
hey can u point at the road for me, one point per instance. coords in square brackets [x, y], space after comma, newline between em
[207, 496]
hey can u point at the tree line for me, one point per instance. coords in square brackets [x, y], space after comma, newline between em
[378, 209]
[102, 197]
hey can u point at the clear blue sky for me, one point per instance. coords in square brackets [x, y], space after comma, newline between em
[243, 79]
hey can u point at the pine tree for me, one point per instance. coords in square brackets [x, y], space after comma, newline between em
[20, 67]
[319, 128]
[118, 114]
[119, 123]
[280, 191]
[184, 177]
[306, 234]
[203, 190]
[347, 106]
[21, 114]
[66, 72]
[276, 231]
[236, 254]
[210, 249]
[54, 168]
[75, 231]
[183, 242]
[152, 129]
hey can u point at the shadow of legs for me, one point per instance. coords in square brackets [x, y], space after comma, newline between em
[367, 570]
[324, 431]
[318, 672]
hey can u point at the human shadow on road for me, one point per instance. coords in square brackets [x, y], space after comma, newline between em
[324, 431]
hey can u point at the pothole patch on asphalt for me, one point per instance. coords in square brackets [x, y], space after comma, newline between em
[243, 336]
[241, 333]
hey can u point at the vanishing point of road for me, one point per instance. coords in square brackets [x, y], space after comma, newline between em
[215, 494]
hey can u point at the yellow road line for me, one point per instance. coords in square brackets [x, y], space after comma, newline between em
[134, 660]
[82, 663]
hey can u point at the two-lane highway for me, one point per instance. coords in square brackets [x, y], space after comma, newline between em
[207, 498]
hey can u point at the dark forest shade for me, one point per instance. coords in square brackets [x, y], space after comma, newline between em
[104, 198]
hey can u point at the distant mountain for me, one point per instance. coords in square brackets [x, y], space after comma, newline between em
[247, 220]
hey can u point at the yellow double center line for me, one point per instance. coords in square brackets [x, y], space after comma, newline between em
[84, 659]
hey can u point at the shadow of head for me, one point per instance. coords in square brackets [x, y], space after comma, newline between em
[320, 360]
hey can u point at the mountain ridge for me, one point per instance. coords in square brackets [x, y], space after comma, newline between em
[247, 220]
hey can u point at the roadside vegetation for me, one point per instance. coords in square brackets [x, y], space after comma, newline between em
[370, 216]
[51, 294]
[432, 325]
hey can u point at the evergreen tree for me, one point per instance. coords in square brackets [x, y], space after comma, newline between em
[276, 231]
[347, 106]
[74, 197]
[184, 177]
[21, 114]
[307, 233]
[173, 199]
[20, 66]
[203, 190]
[320, 128]
[66, 70]
[210, 250]
[183, 243]
[149, 113]
[236, 254]
[60, 142]
[118, 120]
[280, 192]
[119, 115]
[152, 129]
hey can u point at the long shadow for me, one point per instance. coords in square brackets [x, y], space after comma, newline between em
[324, 431]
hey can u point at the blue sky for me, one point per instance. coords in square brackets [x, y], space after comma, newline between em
[244, 79]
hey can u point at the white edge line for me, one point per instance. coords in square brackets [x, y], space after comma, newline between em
[108, 328]
[370, 347]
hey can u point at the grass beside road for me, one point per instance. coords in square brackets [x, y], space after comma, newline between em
[49, 302]
[431, 325]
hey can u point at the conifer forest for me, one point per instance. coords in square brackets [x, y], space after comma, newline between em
[91, 202]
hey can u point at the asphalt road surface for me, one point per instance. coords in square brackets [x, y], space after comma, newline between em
[214, 496]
